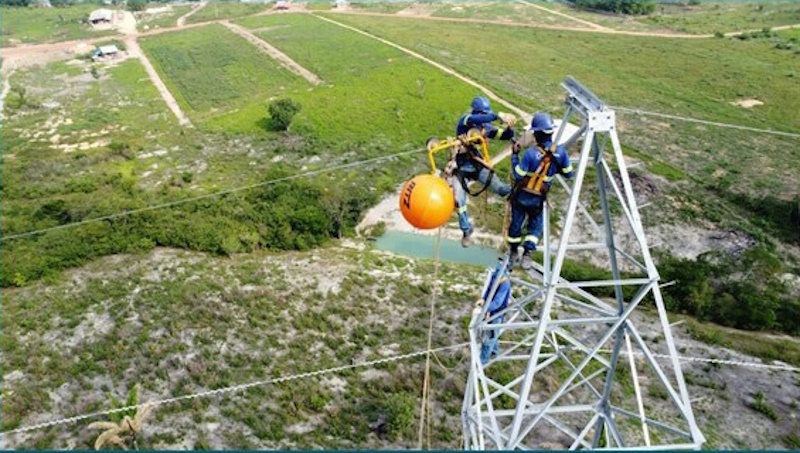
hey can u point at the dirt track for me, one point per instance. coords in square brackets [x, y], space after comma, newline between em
[558, 13]
[182, 20]
[135, 50]
[281, 57]
[601, 30]
[440, 66]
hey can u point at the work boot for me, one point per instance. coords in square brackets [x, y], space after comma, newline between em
[513, 258]
[527, 260]
[466, 241]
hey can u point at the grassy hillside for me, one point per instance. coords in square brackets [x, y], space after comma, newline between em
[177, 322]
[114, 146]
[167, 321]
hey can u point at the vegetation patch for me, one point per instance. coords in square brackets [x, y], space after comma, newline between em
[32, 25]
[226, 10]
[211, 70]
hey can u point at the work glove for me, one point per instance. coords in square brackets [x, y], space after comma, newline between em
[515, 146]
[450, 168]
[507, 118]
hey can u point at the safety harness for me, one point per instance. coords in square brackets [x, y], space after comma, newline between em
[471, 152]
[534, 182]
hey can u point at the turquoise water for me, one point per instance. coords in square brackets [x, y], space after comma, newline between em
[421, 246]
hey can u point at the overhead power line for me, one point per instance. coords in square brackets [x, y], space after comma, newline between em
[208, 195]
[707, 123]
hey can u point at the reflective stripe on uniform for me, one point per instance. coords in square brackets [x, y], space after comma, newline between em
[511, 240]
[466, 120]
[500, 131]
[531, 238]
[520, 171]
[567, 169]
[461, 210]
[547, 178]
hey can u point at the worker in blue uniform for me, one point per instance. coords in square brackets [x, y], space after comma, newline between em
[533, 173]
[498, 303]
[466, 167]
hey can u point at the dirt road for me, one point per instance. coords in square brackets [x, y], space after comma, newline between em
[557, 13]
[182, 20]
[608, 31]
[135, 50]
[281, 57]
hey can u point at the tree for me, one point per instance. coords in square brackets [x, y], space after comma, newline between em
[282, 111]
[15, 2]
[633, 7]
[136, 5]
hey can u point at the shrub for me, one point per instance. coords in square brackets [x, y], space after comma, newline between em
[633, 7]
[760, 404]
[399, 408]
[136, 5]
[282, 112]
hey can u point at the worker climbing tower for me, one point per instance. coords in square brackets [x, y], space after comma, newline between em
[579, 366]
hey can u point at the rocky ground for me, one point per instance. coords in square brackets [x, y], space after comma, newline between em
[177, 322]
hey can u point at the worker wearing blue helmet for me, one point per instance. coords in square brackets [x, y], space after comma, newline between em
[466, 168]
[498, 303]
[534, 173]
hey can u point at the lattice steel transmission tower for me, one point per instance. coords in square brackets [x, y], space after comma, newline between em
[573, 370]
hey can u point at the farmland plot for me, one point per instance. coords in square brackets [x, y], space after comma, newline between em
[372, 93]
[211, 70]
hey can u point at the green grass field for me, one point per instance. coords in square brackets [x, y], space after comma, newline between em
[211, 70]
[381, 7]
[713, 75]
[318, 5]
[29, 25]
[225, 10]
[368, 86]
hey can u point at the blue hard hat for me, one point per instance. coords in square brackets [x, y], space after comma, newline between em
[481, 105]
[542, 122]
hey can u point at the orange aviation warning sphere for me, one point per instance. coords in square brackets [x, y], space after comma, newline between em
[426, 201]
